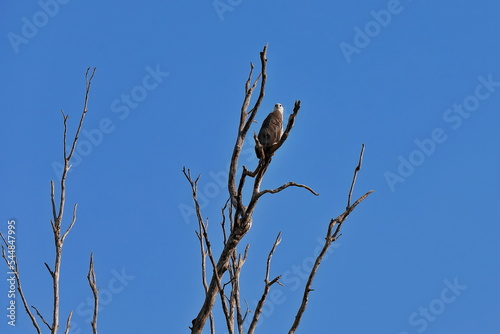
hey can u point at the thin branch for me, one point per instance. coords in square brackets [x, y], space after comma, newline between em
[48, 268]
[247, 311]
[57, 219]
[203, 236]
[52, 200]
[88, 84]
[72, 223]
[267, 287]
[203, 256]
[237, 264]
[41, 317]
[68, 323]
[286, 185]
[223, 222]
[331, 236]
[91, 277]
[356, 170]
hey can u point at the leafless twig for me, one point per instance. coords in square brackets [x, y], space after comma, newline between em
[356, 170]
[57, 214]
[91, 277]
[41, 317]
[56, 223]
[202, 235]
[68, 323]
[267, 287]
[333, 233]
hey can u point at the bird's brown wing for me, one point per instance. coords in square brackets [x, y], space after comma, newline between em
[270, 132]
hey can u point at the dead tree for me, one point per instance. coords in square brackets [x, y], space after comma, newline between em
[239, 213]
[59, 235]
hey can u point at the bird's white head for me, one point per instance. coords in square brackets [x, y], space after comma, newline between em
[278, 107]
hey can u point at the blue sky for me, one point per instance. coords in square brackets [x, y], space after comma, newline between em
[417, 81]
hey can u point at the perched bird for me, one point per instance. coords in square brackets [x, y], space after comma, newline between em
[270, 132]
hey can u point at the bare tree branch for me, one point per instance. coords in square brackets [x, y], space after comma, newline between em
[241, 217]
[240, 225]
[204, 274]
[56, 223]
[68, 323]
[286, 185]
[41, 317]
[237, 264]
[333, 233]
[91, 277]
[356, 170]
[48, 268]
[58, 216]
[72, 223]
[204, 240]
[267, 287]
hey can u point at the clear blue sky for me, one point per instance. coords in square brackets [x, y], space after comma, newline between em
[417, 81]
